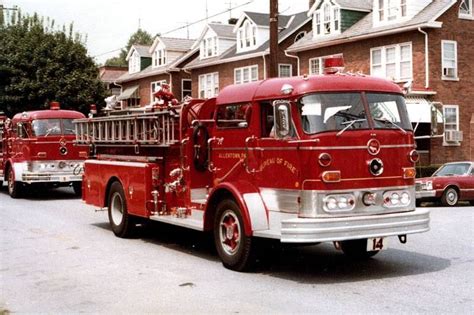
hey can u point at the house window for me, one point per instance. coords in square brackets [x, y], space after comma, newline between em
[465, 9]
[209, 47]
[134, 63]
[159, 57]
[185, 88]
[208, 85]
[449, 62]
[451, 121]
[326, 20]
[284, 70]
[299, 36]
[393, 62]
[391, 10]
[153, 88]
[247, 35]
[245, 74]
[316, 65]
[134, 99]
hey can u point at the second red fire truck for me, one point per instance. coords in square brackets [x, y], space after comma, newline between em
[37, 149]
[302, 160]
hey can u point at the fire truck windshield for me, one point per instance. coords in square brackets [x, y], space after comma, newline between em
[52, 127]
[345, 111]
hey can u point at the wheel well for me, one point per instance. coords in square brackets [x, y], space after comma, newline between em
[452, 186]
[107, 189]
[217, 197]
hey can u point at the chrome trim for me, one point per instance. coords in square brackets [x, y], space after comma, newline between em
[257, 211]
[300, 230]
[314, 148]
[425, 194]
[284, 200]
[116, 163]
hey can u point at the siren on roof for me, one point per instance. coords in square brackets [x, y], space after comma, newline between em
[333, 64]
[54, 106]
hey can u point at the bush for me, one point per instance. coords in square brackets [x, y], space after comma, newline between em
[426, 170]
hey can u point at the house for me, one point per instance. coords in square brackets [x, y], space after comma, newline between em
[423, 45]
[151, 66]
[108, 75]
[234, 54]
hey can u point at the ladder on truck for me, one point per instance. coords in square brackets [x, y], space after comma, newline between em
[143, 128]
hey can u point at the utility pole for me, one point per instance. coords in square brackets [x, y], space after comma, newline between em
[273, 71]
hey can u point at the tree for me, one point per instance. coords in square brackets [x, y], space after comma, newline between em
[40, 64]
[140, 37]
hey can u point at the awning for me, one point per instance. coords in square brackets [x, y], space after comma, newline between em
[125, 95]
[419, 110]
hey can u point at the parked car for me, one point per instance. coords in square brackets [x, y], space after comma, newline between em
[451, 183]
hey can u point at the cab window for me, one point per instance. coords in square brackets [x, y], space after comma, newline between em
[234, 116]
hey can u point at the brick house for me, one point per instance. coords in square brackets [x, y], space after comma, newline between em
[424, 45]
[151, 66]
[234, 54]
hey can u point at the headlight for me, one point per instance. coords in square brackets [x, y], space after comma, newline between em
[334, 203]
[429, 185]
[395, 199]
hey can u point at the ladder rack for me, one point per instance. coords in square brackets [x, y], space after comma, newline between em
[152, 128]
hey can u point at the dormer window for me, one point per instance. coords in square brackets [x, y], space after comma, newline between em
[390, 10]
[159, 58]
[209, 47]
[326, 19]
[134, 63]
[247, 36]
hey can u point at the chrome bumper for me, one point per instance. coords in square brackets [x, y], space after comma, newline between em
[425, 194]
[30, 178]
[301, 230]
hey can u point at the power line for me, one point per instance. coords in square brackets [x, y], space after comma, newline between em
[187, 25]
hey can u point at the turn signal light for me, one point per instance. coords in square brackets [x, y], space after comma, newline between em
[413, 156]
[409, 172]
[332, 176]
[83, 154]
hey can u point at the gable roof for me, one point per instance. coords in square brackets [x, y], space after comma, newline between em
[262, 19]
[223, 30]
[293, 22]
[142, 50]
[365, 28]
[355, 5]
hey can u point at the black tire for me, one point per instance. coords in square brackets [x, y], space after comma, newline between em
[418, 203]
[15, 189]
[77, 187]
[122, 223]
[234, 247]
[357, 249]
[450, 197]
[200, 137]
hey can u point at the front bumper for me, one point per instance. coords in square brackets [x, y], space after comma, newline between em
[302, 230]
[420, 194]
[30, 178]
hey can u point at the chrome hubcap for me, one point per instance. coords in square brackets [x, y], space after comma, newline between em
[116, 209]
[230, 232]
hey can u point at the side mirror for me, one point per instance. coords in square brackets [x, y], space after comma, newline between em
[21, 131]
[282, 114]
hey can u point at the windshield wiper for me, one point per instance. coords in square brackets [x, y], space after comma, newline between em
[349, 124]
[385, 120]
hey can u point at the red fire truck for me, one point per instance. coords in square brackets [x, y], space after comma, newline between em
[38, 149]
[303, 160]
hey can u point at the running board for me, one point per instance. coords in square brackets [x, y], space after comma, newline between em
[194, 222]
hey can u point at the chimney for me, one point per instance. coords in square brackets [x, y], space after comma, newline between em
[311, 2]
[273, 71]
[232, 21]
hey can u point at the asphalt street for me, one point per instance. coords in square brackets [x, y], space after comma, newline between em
[57, 255]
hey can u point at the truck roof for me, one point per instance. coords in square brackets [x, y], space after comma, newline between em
[271, 88]
[48, 114]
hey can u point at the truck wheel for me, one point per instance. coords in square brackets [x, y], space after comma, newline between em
[357, 249]
[121, 222]
[233, 246]
[14, 188]
[450, 197]
[77, 186]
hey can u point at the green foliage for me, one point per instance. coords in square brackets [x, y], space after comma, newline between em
[40, 64]
[140, 37]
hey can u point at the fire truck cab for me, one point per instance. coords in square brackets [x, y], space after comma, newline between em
[38, 149]
[303, 160]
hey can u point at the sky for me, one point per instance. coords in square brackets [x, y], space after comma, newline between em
[108, 24]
